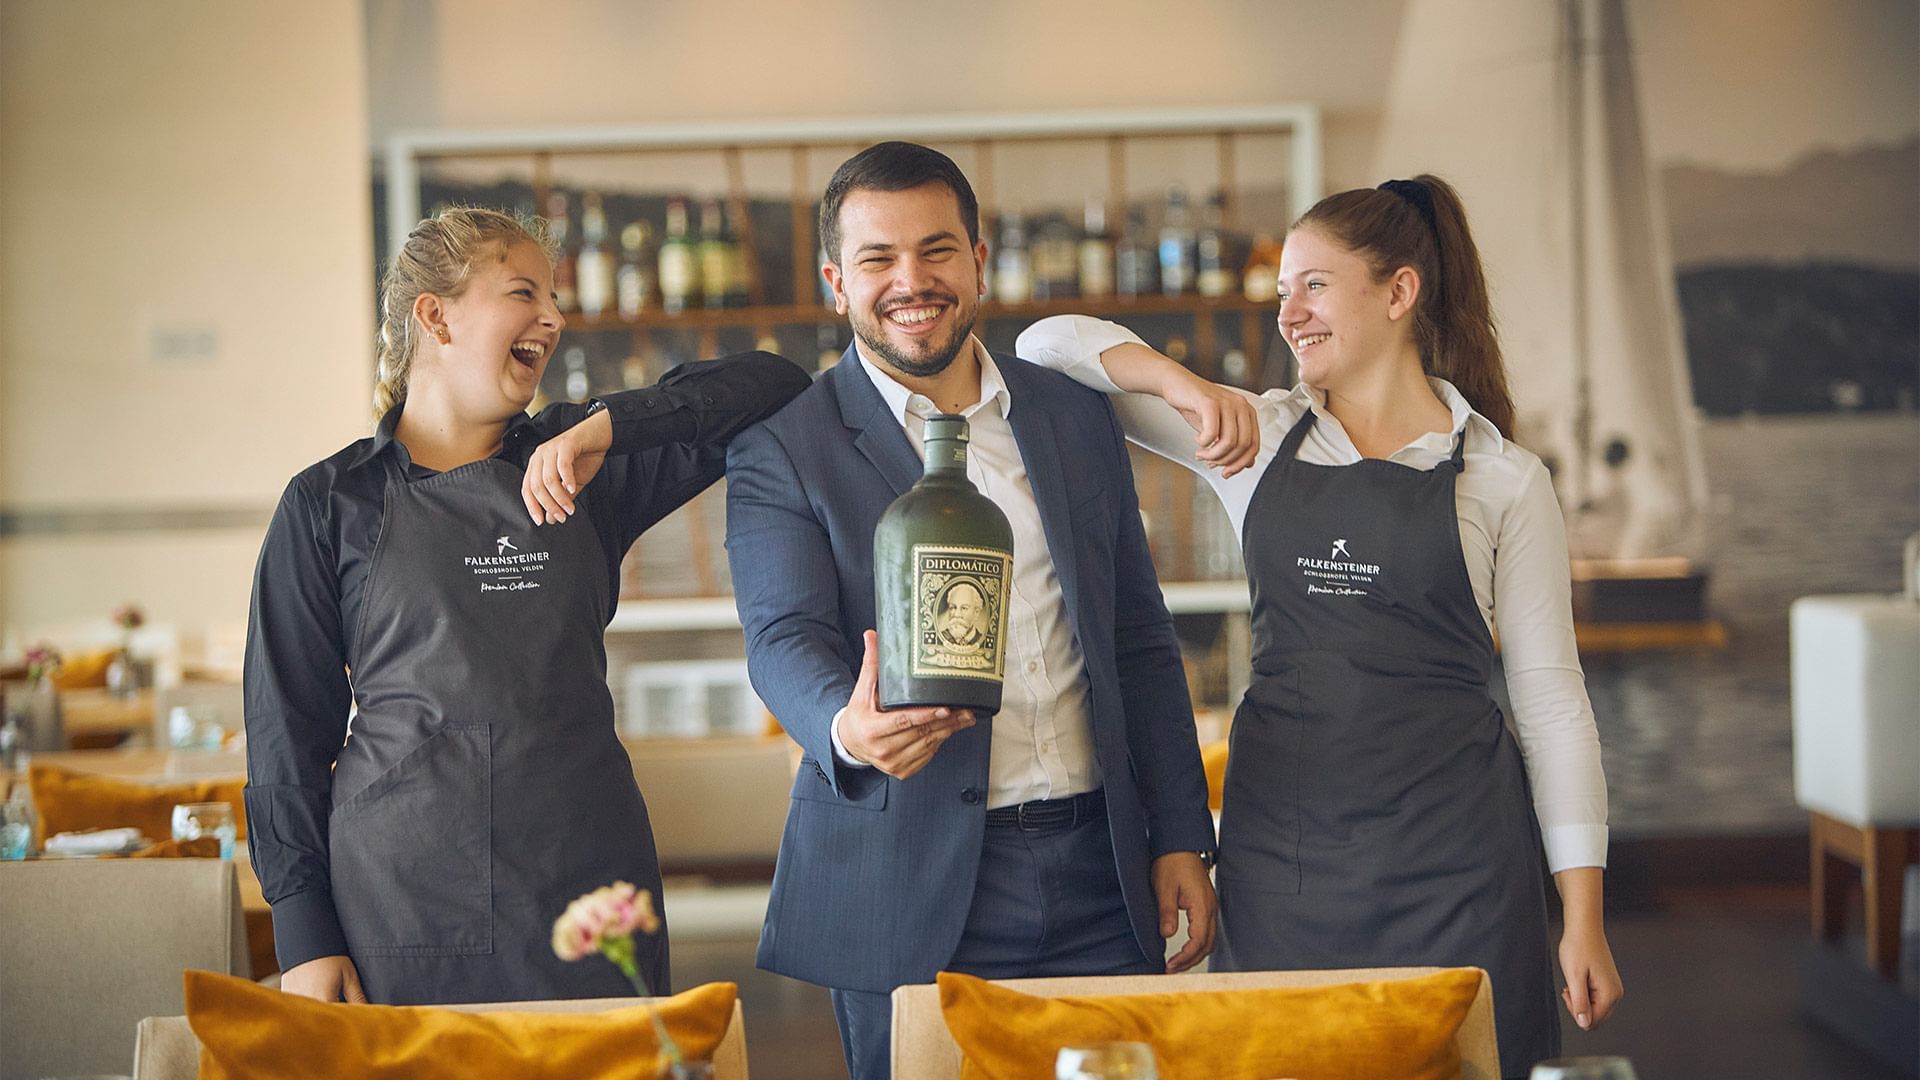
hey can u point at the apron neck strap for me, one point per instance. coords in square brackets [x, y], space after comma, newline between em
[1459, 458]
[1290, 446]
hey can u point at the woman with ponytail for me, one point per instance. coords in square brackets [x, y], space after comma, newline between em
[446, 585]
[1380, 809]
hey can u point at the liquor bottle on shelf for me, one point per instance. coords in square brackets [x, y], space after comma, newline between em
[1260, 281]
[1136, 266]
[579, 387]
[633, 282]
[1096, 253]
[1176, 245]
[1215, 277]
[1012, 266]
[826, 338]
[740, 268]
[679, 266]
[593, 267]
[942, 568]
[1233, 367]
[633, 370]
[566, 295]
[714, 263]
[1056, 260]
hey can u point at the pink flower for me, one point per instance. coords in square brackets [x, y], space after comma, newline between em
[604, 921]
[42, 661]
[609, 913]
[129, 617]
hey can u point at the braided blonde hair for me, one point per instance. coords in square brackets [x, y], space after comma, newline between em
[438, 258]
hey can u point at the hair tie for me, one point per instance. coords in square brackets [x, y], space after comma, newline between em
[1420, 197]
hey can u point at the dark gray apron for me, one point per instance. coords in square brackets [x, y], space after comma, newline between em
[1377, 811]
[482, 786]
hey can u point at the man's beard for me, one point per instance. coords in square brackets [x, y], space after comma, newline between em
[934, 357]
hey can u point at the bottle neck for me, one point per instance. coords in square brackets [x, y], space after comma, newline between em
[946, 459]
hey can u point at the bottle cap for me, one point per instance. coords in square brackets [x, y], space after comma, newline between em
[946, 426]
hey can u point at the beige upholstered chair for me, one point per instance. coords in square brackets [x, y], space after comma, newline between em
[89, 946]
[923, 1049]
[718, 805]
[167, 1049]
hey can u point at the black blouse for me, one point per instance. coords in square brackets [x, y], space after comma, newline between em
[669, 444]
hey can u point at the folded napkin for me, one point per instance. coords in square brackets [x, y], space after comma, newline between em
[96, 842]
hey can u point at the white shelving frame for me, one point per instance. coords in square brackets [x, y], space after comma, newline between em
[1301, 122]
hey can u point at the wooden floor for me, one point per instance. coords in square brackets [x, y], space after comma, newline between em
[1712, 976]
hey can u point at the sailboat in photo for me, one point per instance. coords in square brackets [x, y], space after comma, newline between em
[1532, 110]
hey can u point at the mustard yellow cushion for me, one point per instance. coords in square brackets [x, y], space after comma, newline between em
[1213, 758]
[1401, 1028]
[84, 671]
[69, 801]
[247, 1030]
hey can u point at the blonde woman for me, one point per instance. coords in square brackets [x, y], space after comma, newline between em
[447, 582]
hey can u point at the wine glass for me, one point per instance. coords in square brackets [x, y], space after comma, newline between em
[1106, 1061]
[1584, 1068]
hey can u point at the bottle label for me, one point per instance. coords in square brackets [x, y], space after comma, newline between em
[960, 611]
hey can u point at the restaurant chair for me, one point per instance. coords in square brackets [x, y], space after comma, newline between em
[167, 1049]
[1856, 741]
[924, 1049]
[718, 806]
[91, 946]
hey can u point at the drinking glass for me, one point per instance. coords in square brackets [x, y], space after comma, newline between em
[191, 821]
[1584, 1068]
[195, 727]
[16, 828]
[1106, 1061]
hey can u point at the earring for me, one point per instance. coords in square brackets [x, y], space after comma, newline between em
[443, 335]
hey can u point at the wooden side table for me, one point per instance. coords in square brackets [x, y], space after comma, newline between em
[1881, 857]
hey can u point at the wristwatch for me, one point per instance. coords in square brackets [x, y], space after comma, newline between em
[1207, 858]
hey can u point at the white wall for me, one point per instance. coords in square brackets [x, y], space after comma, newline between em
[193, 170]
[439, 63]
[1732, 84]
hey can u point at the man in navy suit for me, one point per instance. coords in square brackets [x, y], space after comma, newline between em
[1063, 836]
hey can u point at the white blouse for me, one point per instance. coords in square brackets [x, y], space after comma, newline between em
[1511, 533]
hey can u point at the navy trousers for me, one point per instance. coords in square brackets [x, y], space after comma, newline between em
[1044, 904]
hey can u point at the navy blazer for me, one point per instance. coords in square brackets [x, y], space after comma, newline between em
[875, 875]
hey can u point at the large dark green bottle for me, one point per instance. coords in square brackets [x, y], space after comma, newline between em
[942, 570]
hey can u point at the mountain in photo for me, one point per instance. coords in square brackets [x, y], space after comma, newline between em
[1859, 206]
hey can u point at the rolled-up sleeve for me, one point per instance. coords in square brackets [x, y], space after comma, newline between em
[297, 702]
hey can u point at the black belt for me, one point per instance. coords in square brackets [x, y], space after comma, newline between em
[1049, 815]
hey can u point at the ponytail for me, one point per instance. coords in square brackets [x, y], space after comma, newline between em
[1422, 223]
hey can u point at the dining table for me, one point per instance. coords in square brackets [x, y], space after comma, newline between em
[153, 765]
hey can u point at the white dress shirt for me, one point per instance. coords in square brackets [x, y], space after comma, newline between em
[1511, 533]
[1042, 745]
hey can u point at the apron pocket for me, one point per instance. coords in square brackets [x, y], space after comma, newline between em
[1260, 809]
[412, 853]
